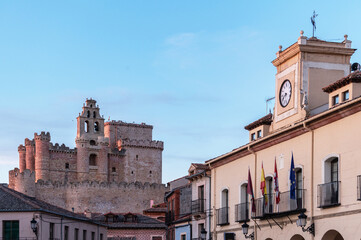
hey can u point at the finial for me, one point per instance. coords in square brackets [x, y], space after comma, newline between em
[345, 36]
[280, 48]
[302, 32]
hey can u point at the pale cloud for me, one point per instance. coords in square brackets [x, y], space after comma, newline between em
[181, 40]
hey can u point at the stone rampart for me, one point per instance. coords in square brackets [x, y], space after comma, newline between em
[101, 197]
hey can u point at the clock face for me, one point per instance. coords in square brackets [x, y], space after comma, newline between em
[285, 93]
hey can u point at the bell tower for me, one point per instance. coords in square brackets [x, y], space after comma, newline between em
[92, 147]
[303, 69]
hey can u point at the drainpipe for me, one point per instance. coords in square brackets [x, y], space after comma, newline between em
[209, 205]
[312, 170]
[61, 228]
[255, 183]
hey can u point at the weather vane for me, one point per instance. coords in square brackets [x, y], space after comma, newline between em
[313, 21]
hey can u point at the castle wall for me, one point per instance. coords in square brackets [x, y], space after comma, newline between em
[101, 197]
[143, 164]
[59, 161]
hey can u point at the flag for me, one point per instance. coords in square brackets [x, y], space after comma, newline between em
[277, 191]
[263, 187]
[250, 191]
[292, 180]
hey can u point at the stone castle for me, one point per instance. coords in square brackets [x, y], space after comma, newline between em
[116, 166]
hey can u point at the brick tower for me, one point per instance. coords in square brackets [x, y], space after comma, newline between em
[92, 147]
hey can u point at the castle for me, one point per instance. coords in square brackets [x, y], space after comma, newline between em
[116, 166]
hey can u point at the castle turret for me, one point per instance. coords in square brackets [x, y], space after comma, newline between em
[42, 156]
[92, 147]
[29, 156]
[22, 157]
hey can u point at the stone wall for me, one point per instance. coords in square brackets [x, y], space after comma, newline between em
[101, 197]
[185, 199]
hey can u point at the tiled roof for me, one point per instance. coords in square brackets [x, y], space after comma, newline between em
[352, 77]
[200, 166]
[266, 120]
[142, 222]
[13, 201]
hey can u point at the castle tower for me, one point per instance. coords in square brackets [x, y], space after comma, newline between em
[29, 156]
[42, 156]
[92, 148]
[22, 157]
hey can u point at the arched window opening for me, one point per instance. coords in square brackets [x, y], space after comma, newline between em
[88, 114]
[136, 157]
[331, 170]
[66, 165]
[91, 105]
[92, 160]
[92, 142]
[299, 187]
[225, 198]
[96, 127]
[328, 193]
[86, 126]
[94, 114]
[242, 208]
[150, 172]
[113, 169]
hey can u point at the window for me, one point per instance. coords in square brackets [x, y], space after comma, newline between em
[334, 170]
[183, 236]
[92, 160]
[328, 192]
[101, 236]
[113, 169]
[242, 207]
[66, 165]
[51, 231]
[299, 187]
[331, 170]
[225, 198]
[269, 203]
[66, 233]
[96, 127]
[76, 234]
[150, 172]
[200, 228]
[86, 126]
[335, 100]
[92, 142]
[345, 96]
[253, 136]
[87, 114]
[93, 235]
[259, 133]
[84, 234]
[136, 157]
[94, 114]
[10, 230]
[157, 238]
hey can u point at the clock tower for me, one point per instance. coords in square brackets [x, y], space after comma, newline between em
[303, 69]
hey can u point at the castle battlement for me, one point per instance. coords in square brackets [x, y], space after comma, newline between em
[29, 142]
[21, 148]
[121, 123]
[42, 136]
[61, 148]
[142, 143]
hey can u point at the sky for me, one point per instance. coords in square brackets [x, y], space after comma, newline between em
[198, 71]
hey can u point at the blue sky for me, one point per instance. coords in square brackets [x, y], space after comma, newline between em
[198, 71]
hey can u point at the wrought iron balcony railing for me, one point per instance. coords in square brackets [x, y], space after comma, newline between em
[222, 216]
[242, 212]
[198, 206]
[267, 205]
[328, 194]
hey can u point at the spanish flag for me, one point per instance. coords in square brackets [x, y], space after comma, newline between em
[263, 187]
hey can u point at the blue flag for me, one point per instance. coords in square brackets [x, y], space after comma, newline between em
[292, 180]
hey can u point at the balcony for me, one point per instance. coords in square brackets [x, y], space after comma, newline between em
[222, 216]
[359, 187]
[328, 195]
[285, 207]
[198, 206]
[242, 212]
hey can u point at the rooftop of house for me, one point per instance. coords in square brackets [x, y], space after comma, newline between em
[354, 77]
[266, 120]
[128, 221]
[13, 201]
